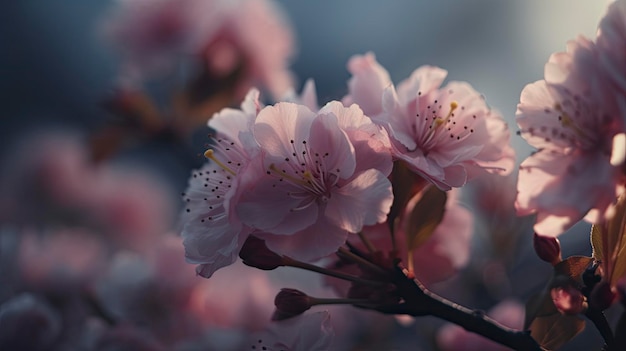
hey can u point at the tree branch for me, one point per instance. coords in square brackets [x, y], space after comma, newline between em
[419, 301]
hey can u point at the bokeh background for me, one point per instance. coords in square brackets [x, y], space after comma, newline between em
[55, 71]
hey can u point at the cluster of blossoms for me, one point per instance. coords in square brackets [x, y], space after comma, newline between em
[364, 189]
[227, 40]
[306, 179]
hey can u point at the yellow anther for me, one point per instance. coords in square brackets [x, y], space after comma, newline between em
[210, 154]
[437, 122]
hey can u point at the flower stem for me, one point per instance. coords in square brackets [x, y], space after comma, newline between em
[599, 320]
[347, 254]
[290, 262]
[368, 244]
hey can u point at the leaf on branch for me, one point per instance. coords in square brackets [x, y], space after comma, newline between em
[405, 185]
[541, 305]
[552, 332]
[573, 267]
[427, 213]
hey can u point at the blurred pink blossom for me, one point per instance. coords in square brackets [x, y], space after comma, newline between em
[247, 38]
[54, 182]
[446, 134]
[454, 338]
[323, 176]
[571, 119]
[64, 260]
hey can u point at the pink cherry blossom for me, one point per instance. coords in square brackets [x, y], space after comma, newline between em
[212, 232]
[60, 260]
[455, 338]
[570, 118]
[309, 332]
[316, 184]
[446, 134]
[249, 38]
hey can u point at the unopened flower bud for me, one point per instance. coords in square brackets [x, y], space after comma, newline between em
[256, 254]
[568, 300]
[547, 248]
[290, 303]
[602, 296]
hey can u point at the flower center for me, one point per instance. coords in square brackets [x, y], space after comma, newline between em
[568, 123]
[438, 122]
[308, 170]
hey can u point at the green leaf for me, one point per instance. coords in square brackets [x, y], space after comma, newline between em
[553, 331]
[427, 213]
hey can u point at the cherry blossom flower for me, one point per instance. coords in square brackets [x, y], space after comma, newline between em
[455, 338]
[320, 178]
[212, 232]
[570, 118]
[247, 39]
[446, 134]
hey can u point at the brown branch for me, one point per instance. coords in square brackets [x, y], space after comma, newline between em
[419, 301]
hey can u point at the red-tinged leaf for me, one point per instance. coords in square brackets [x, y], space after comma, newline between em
[541, 305]
[573, 267]
[405, 185]
[427, 213]
[553, 331]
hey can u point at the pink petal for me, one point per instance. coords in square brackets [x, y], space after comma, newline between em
[422, 80]
[276, 126]
[562, 188]
[265, 204]
[328, 139]
[319, 240]
[366, 200]
[366, 86]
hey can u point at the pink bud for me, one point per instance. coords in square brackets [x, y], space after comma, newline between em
[290, 303]
[547, 248]
[255, 253]
[568, 300]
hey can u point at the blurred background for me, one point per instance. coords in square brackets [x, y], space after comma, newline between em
[56, 72]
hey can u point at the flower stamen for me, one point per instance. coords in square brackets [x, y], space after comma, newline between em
[210, 154]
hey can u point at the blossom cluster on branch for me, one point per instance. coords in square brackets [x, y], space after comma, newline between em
[297, 203]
